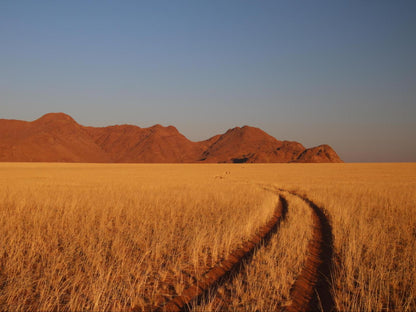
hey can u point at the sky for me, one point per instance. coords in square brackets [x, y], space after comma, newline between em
[341, 73]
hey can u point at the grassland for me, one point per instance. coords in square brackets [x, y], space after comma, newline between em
[110, 237]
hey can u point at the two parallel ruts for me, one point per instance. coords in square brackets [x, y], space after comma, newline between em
[312, 288]
[227, 269]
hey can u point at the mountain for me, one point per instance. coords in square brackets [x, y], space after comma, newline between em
[157, 144]
[51, 138]
[249, 144]
[322, 153]
[57, 137]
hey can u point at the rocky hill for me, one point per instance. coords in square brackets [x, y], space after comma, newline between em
[57, 137]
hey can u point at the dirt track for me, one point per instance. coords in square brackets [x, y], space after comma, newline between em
[228, 268]
[311, 290]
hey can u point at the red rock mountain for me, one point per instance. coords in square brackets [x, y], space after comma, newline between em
[56, 137]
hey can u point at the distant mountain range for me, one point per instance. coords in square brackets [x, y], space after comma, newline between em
[57, 137]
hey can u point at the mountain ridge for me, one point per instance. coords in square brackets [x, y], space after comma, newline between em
[57, 137]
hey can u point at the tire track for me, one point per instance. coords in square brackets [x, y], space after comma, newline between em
[227, 269]
[312, 289]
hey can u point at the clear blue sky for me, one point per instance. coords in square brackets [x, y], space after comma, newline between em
[335, 72]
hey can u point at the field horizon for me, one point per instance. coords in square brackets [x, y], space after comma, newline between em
[132, 237]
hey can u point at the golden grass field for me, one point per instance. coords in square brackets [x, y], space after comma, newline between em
[112, 237]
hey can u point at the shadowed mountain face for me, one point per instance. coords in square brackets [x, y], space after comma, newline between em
[56, 137]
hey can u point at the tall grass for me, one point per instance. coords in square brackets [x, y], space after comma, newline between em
[73, 240]
[264, 284]
[375, 234]
[372, 209]
[109, 237]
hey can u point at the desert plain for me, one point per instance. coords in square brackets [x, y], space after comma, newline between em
[143, 237]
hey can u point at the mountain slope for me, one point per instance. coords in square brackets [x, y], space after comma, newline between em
[56, 137]
[249, 144]
[51, 138]
[319, 154]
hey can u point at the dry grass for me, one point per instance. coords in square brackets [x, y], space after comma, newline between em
[265, 284]
[106, 237]
[375, 241]
[372, 208]
[100, 238]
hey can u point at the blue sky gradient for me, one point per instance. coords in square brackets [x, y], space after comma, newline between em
[335, 72]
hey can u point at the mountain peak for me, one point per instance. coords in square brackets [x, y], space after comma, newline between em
[249, 133]
[51, 117]
[321, 153]
[169, 130]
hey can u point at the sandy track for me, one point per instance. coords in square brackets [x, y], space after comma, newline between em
[312, 289]
[226, 269]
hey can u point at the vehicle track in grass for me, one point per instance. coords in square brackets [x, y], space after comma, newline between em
[312, 288]
[228, 268]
